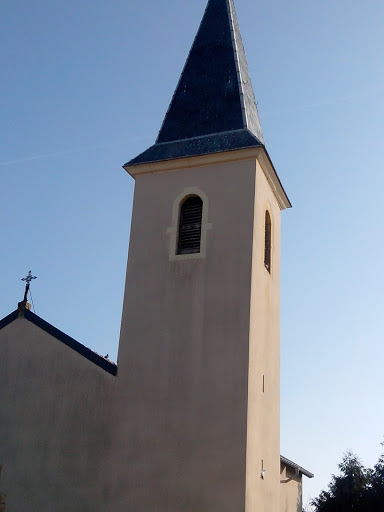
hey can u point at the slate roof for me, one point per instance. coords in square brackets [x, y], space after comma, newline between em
[213, 108]
[95, 358]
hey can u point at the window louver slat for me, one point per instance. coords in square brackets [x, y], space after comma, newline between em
[190, 226]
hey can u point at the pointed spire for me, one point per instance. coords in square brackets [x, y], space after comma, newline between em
[213, 108]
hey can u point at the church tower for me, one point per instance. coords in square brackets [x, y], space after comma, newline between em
[199, 348]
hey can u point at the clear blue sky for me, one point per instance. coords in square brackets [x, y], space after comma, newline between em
[84, 88]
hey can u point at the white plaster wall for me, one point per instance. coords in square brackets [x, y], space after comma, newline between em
[55, 416]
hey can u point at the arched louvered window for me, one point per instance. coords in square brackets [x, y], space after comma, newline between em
[267, 241]
[189, 235]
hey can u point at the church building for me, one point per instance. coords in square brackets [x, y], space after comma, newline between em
[189, 419]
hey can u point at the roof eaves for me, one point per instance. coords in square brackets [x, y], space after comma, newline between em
[295, 466]
[8, 319]
[197, 146]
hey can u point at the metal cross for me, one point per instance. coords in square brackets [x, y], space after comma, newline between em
[28, 280]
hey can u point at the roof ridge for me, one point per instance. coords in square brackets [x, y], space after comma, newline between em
[246, 93]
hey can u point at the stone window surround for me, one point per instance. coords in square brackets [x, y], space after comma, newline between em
[172, 231]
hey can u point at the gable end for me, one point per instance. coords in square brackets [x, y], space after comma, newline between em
[102, 363]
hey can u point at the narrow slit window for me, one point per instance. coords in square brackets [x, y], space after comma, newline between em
[189, 238]
[267, 242]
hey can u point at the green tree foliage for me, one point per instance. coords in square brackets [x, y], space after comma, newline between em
[356, 489]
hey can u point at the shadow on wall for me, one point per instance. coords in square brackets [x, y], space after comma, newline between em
[292, 490]
[299, 503]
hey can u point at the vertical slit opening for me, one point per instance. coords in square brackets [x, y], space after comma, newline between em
[267, 241]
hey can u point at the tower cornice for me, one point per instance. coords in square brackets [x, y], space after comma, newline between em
[257, 153]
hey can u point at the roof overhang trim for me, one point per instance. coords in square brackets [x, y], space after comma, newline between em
[259, 153]
[86, 352]
[296, 467]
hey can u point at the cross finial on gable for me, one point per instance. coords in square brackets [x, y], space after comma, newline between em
[27, 280]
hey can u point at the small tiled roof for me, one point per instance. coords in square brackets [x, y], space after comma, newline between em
[213, 108]
[95, 358]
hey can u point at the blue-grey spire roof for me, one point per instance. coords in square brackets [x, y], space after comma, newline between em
[213, 108]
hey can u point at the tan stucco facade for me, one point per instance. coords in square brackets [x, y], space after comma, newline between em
[191, 421]
[263, 423]
[291, 489]
[184, 343]
[199, 337]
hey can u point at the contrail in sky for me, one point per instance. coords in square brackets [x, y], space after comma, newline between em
[71, 151]
[294, 108]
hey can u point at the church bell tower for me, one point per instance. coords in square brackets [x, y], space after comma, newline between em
[199, 350]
